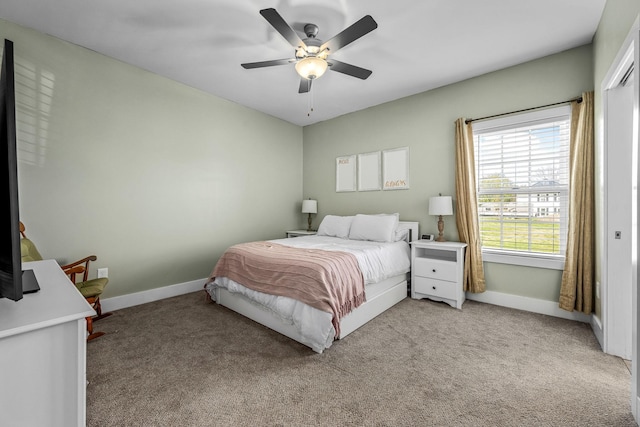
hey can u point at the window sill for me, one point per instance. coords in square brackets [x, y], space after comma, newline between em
[539, 261]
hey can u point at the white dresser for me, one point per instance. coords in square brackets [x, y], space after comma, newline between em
[437, 271]
[43, 353]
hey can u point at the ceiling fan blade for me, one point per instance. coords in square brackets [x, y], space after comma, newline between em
[349, 34]
[348, 69]
[281, 26]
[250, 65]
[305, 85]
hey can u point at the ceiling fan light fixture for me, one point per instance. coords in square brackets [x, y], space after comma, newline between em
[311, 67]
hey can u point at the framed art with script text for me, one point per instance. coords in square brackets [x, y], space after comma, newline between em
[395, 169]
[346, 173]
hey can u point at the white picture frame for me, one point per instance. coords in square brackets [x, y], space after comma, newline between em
[395, 169]
[346, 173]
[369, 171]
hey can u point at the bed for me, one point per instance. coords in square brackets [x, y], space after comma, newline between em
[287, 301]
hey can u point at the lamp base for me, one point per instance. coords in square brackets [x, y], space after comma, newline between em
[309, 227]
[440, 237]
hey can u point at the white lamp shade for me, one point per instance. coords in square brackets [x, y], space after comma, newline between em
[311, 67]
[440, 205]
[310, 206]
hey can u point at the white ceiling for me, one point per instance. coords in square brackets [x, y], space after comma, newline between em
[418, 45]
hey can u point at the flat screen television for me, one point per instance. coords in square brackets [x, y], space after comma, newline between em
[13, 281]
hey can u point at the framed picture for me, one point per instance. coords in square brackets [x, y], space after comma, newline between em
[346, 173]
[369, 171]
[395, 169]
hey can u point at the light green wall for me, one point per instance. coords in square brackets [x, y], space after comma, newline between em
[617, 19]
[425, 123]
[154, 177]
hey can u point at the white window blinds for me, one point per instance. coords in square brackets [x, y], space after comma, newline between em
[522, 178]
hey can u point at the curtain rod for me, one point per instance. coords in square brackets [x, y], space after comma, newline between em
[577, 99]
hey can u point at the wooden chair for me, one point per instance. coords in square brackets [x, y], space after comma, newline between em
[90, 289]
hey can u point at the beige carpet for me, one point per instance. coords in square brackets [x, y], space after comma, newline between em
[184, 362]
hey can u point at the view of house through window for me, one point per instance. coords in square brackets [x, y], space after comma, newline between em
[522, 178]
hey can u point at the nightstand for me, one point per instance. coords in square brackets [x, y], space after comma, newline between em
[437, 271]
[298, 233]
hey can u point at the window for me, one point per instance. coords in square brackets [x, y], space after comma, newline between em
[522, 179]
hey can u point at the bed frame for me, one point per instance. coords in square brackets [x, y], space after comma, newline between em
[396, 292]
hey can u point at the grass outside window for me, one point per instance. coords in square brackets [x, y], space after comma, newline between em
[528, 234]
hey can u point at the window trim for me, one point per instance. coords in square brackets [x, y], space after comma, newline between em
[507, 122]
[505, 256]
[551, 262]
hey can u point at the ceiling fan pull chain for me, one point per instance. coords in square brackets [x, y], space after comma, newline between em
[310, 106]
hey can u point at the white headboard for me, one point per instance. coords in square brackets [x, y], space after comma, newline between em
[412, 226]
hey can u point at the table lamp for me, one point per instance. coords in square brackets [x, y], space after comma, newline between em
[309, 207]
[440, 205]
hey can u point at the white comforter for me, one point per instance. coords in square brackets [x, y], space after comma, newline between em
[377, 261]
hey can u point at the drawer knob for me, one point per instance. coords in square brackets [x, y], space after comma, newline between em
[434, 288]
[434, 270]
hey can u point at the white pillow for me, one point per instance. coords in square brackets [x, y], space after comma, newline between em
[401, 234]
[335, 226]
[378, 228]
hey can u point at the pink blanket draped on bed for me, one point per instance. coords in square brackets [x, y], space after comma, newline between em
[330, 281]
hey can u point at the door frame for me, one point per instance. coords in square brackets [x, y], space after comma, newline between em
[627, 55]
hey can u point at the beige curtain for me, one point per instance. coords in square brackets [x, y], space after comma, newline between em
[467, 208]
[576, 291]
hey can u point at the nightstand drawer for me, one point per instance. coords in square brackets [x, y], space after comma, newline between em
[436, 288]
[436, 269]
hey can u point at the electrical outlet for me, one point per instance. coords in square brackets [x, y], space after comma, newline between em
[103, 272]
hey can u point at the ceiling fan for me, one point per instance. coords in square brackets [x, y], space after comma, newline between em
[312, 54]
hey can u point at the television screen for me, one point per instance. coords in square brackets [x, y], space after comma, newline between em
[10, 262]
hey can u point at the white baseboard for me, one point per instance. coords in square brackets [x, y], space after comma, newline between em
[533, 305]
[596, 325]
[130, 300]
